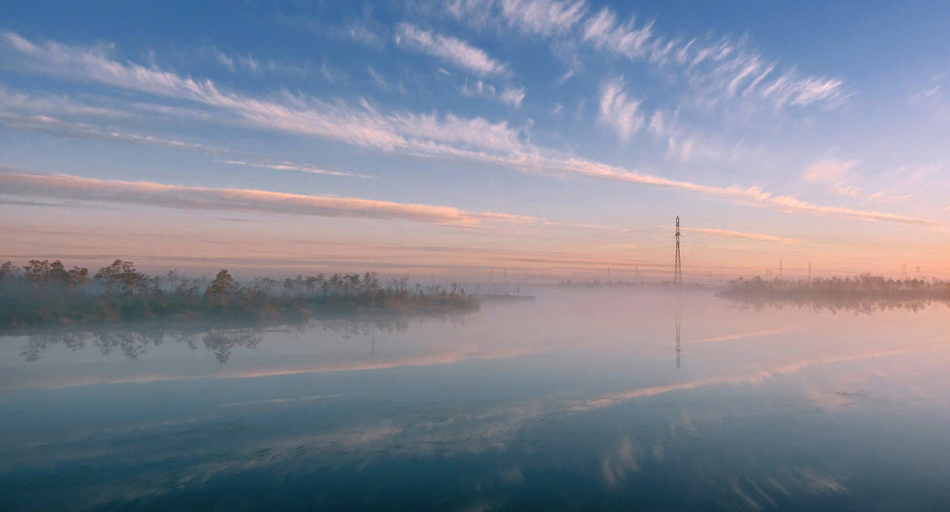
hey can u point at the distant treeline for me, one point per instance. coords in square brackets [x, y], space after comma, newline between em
[44, 292]
[864, 293]
[596, 283]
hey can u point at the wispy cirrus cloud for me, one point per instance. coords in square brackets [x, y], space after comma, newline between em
[363, 32]
[793, 204]
[236, 62]
[882, 196]
[605, 32]
[684, 145]
[724, 70]
[294, 166]
[619, 110]
[53, 126]
[725, 233]
[716, 68]
[513, 96]
[450, 49]
[361, 125]
[377, 78]
[17, 101]
[61, 186]
[827, 171]
[536, 17]
[889, 197]
[425, 135]
[836, 174]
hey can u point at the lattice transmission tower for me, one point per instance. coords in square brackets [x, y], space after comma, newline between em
[678, 268]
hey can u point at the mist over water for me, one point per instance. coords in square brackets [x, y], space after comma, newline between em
[577, 400]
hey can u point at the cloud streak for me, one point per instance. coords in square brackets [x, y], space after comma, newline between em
[724, 233]
[293, 166]
[827, 170]
[450, 49]
[60, 186]
[53, 126]
[752, 196]
[51, 105]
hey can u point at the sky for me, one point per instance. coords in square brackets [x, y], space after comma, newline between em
[546, 139]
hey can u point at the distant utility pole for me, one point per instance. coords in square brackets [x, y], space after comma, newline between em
[780, 268]
[678, 268]
[904, 271]
[809, 271]
[918, 272]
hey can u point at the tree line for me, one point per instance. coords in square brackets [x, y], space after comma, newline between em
[862, 285]
[860, 294]
[46, 292]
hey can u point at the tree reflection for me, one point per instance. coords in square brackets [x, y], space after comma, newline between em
[220, 341]
[74, 340]
[131, 343]
[188, 338]
[855, 306]
[365, 327]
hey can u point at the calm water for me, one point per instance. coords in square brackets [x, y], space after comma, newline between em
[577, 401]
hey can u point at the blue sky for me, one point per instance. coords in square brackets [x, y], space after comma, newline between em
[552, 138]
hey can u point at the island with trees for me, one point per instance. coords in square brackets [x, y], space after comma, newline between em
[47, 293]
[860, 294]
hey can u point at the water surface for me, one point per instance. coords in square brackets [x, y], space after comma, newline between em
[576, 401]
